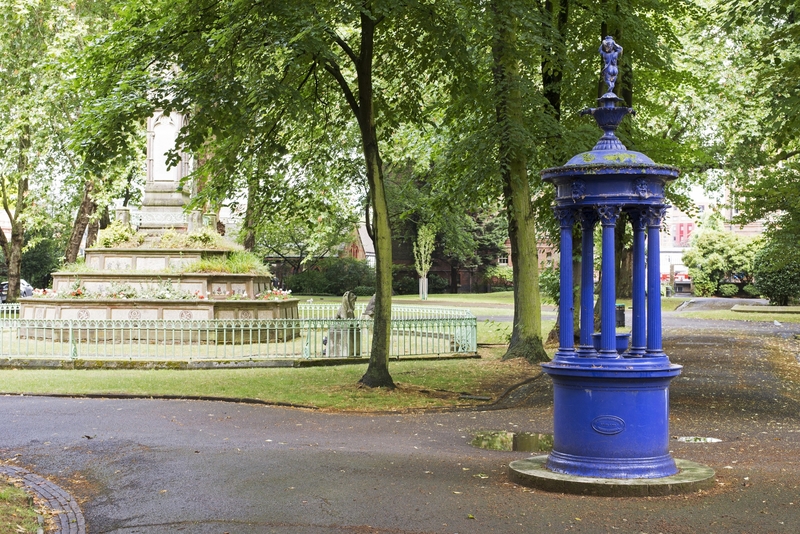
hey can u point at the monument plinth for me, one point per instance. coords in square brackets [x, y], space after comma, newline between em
[149, 260]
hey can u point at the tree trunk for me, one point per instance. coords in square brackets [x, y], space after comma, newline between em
[377, 374]
[79, 227]
[526, 335]
[15, 259]
[553, 61]
[249, 240]
[623, 256]
[13, 249]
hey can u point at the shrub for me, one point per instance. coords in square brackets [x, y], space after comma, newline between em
[203, 238]
[404, 280]
[437, 284]
[777, 272]
[346, 274]
[549, 285]
[364, 291]
[703, 287]
[405, 285]
[310, 282]
[728, 290]
[235, 263]
[118, 234]
[334, 276]
[751, 290]
[500, 276]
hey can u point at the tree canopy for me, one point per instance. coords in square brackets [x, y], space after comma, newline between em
[299, 107]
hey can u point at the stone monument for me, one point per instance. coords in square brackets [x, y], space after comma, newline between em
[164, 194]
[146, 265]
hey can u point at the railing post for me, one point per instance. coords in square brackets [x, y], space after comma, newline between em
[73, 348]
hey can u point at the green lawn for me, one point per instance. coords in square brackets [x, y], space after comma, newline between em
[500, 297]
[728, 315]
[16, 513]
[667, 303]
[421, 384]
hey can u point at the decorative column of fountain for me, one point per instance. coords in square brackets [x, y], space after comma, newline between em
[611, 409]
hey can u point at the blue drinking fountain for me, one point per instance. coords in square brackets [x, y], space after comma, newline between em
[611, 409]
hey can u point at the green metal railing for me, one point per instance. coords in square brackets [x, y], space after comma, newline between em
[9, 311]
[416, 331]
[401, 312]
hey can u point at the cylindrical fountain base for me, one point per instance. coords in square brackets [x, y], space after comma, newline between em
[611, 419]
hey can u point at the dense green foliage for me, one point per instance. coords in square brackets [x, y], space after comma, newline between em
[465, 238]
[549, 282]
[407, 112]
[728, 290]
[300, 240]
[776, 270]
[236, 262]
[334, 276]
[717, 256]
[762, 126]
[501, 276]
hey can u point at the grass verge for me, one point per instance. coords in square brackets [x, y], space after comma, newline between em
[17, 514]
[728, 315]
[421, 384]
[501, 297]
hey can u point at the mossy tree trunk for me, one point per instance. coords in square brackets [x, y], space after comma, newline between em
[526, 336]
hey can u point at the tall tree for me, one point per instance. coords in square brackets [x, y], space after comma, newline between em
[37, 38]
[526, 336]
[240, 68]
[762, 134]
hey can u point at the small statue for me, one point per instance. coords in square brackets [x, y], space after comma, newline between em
[348, 307]
[370, 309]
[610, 52]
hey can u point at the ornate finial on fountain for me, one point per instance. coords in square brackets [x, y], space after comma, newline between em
[608, 115]
[610, 52]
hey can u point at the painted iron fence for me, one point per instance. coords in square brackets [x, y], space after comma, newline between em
[429, 331]
[9, 311]
[328, 311]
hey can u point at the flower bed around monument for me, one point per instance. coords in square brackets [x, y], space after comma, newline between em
[163, 290]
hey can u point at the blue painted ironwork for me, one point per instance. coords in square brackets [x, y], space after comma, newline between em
[639, 327]
[608, 285]
[566, 304]
[655, 215]
[611, 409]
[588, 220]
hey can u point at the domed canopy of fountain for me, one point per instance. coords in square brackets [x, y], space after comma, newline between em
[610, 157]
[610, 173]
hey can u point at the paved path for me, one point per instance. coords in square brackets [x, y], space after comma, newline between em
[152, 466]
[67, 516]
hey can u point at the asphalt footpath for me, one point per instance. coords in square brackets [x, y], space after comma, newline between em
[152, 466]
